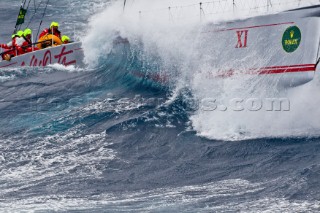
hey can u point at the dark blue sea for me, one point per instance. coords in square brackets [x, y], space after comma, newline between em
[129, 132]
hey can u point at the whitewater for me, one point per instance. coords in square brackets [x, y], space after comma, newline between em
[133, 131]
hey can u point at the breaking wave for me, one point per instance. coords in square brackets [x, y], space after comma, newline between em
[137, 129]
[166, 51]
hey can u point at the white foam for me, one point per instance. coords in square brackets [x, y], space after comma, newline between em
[170, 36]
[299, 120]
[52, 156]
[221, 196]
[162, 31]
[61, 67]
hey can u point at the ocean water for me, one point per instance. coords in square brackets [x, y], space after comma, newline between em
[128, 133]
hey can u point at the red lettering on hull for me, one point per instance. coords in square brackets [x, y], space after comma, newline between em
[47, 57]
[62, 57]
[242, 36]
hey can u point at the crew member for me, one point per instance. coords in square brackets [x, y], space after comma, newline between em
[26, 46]
[9, 44]
[8, 54]
[13, 47]
[17, 43]
[65, 39]
[53, 29]
[19, 40]
[16, 38]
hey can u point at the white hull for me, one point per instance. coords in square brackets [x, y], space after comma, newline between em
[68, 54]
[268, 46]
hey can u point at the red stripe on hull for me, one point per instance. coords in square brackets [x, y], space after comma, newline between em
[282, 67]
[286, 70]
[250, 27]
[8, 65]
[273, 70]
[71, 62]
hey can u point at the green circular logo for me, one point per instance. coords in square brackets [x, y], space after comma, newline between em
[291, 39]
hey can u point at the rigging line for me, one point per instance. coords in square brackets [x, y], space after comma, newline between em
[182, 6]
[170, 15]
[212, 2]
[222, 3]
[317, 63]
[271, 3]
[35, 12]
[28, 4]
[165, 9]
[201, 12]
[44, 12]
[23, 2]
[27, 10]
[318, 58]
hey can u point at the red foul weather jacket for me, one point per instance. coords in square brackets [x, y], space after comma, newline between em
[48, 31]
